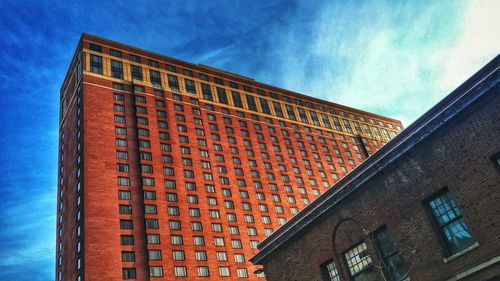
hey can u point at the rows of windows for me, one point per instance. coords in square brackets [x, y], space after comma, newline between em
[78, 192]
[176, 226]
[358, 124]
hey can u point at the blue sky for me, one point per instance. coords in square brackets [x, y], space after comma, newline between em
[396, 58]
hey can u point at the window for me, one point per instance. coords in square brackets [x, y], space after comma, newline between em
[116, 69]
[124, 195]
[127, 239]
[242, 272]
[190, 86]
[201, 255]
[155, 77]
[237, 99]
[128, 273]
[203, 271]
[173, 82]
[115, 53]
[134, 58]
[454, 232]
[126, 224]
[153, 238]
[136, 72]
[180, 271]
[224, 271]
[128, 256]
[125, 209]
[96, 64]
[155, 271]
[206, 91]
[176, 239]
[251, 102]
[178, 255]
[329, 271]
[392, 262]
[222, 96]
[357, 259]
[151, 223]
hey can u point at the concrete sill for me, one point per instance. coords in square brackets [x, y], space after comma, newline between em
[461, 253]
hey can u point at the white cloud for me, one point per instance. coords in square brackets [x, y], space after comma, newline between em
[395, 60]
[478, 44]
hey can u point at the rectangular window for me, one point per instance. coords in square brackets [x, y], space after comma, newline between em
[155, 271]
[95, 48]
[278, 109]
[203, 271]
[291, 112]
[129, 273]
[251, 103]
[128, 256]
[237, 99]
[154, 255]
[454, 232]
[155, 77]
[392, 262]
[153, 63]
[358, 259]
[265, 106]
[127, 239]
[303, 115]
[134, 58]
[136, 72]
[116, 69]
[190, 88]
[222, 96]
[115, 53]
[96, 64]
[173, 82]
[206, 91]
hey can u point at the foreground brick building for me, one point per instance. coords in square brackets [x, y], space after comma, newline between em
[424, 207]
[175, 170]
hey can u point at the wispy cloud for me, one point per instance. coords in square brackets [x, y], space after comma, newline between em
[393, 59]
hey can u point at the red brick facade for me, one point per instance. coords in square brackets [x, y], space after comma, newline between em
[282, 166]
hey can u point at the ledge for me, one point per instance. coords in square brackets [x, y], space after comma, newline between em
[461, 253]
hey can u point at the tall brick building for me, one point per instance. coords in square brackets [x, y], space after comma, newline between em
[424, 207]
[169, 169]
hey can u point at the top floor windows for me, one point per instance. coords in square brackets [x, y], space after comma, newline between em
[277, 109]
[134, 58]
[291, 112]
[153, 63]
[96, 64]
[303, 115]
[115, 53]
[237, 99]
[116, 69]
[221, 94]
[154, 76]
[136, 72]
[206, 91]
[173, 82]
[190, 88]
[95, 48]
[251, 103]
[218, 81]
[265, 106]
